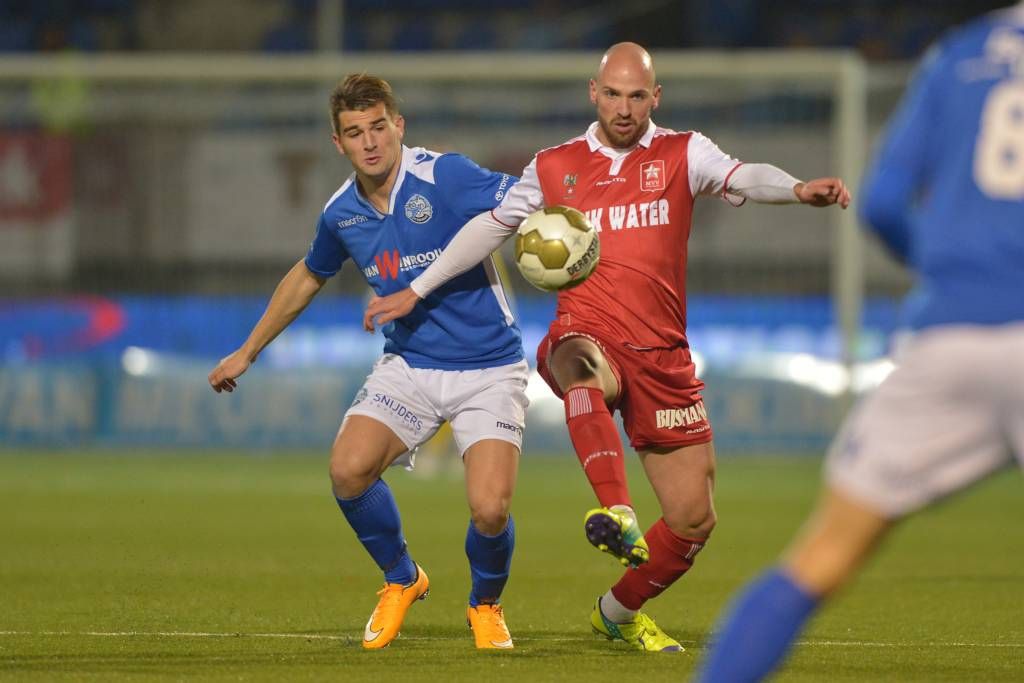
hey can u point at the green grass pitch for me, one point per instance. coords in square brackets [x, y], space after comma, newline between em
[227, 567]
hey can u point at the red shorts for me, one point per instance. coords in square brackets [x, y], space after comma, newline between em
[659, 393]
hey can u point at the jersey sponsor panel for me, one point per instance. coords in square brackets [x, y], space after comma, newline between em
[388, 264]
[639, 289]
[691, 418]
[398, 410]
[466, 324]
[634, 215]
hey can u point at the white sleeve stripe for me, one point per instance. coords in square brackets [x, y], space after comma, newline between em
[497, 289]
[340, 191]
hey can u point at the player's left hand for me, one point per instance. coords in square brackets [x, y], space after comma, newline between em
[384, 309]
[823, 192]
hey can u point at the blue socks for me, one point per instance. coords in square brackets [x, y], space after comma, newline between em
[489, 560]
[373, 515]
[758, 631]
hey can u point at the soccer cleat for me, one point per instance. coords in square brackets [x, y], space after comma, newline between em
[488, 624]
[387, 617]
[618, 535]
[641, 632]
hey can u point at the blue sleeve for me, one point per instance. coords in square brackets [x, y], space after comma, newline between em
[468, 188]
[326, 252]
[899, 172]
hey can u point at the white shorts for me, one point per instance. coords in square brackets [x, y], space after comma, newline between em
[950, 414]
[489, 403]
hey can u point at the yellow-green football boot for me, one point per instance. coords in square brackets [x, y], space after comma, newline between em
[618, 534]
[641, 632]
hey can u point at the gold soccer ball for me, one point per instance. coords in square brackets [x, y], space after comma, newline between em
[556, 248]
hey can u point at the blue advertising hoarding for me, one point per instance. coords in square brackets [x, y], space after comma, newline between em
[131, 371]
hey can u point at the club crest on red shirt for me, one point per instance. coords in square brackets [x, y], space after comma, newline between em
[652, 176]
[569, 183]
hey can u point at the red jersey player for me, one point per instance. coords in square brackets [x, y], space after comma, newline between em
[619, 339]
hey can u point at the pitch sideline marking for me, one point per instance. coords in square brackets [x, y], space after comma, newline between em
[321, 636]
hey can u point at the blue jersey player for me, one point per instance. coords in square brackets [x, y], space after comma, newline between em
[457, 358]
[946, 194]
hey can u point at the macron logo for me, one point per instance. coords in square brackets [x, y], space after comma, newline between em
[355, 220]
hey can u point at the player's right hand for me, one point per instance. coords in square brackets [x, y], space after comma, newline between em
[383, 309]
[222, 377]
[823, 192]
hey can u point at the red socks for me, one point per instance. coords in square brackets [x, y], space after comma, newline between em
[671, 557]
[597, 444]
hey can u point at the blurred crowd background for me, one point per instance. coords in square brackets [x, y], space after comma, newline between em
[878, 29]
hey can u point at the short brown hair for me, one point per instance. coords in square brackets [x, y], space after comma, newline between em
[357, 92]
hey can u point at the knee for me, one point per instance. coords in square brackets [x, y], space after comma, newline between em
[350, 474]
[490, 516]
[692, 523]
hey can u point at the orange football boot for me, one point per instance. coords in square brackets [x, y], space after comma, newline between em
[387, 617]
[488, 624]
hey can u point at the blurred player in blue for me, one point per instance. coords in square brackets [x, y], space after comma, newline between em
[946, 195]
[457, 358]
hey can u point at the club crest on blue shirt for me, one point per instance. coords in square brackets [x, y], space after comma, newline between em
[418, 209]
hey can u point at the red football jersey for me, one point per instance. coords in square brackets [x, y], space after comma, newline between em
[641, 202]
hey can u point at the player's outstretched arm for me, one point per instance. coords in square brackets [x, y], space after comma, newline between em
[472, 244]
[823, 192]
[767, 184]
[292, 295]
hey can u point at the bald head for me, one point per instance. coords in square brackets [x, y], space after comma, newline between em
[627, 61]
[625, 93]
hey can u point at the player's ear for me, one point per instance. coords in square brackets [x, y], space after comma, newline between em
[337, 143]
[656, 95]
[593, 91]
[400, 125]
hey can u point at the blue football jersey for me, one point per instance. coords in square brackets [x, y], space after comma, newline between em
[946, 190]
[465, 324]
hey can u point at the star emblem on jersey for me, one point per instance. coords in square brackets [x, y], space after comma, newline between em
[418, 209]
[652, 176]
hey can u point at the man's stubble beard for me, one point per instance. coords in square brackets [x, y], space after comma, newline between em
[617, 140]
